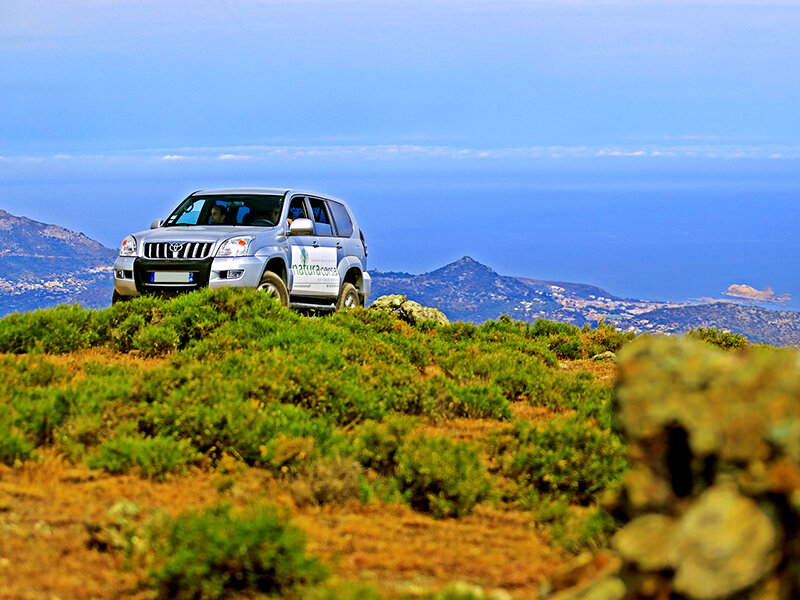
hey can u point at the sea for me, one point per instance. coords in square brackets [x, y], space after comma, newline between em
[652, 231]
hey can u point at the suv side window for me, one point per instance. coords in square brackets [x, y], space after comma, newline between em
[322, 220]
[297, 209]
[342, 219]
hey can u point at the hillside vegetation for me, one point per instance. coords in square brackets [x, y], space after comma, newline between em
[217, 444]
[349, 407]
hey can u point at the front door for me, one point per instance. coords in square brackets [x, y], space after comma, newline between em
[313, 257]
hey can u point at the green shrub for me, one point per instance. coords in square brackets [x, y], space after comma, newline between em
[470, 400]
[566, 456]
[156, 340]
[54, 331]
[218, 413]
[242, 376]
[153, 458]
[24, 372]
[377, 443]
[720, 338]
[574, 528]
[440, 477]
[13, 445]
[604, 337]
[40, 411]
[562, 338]
[577, 391]
[209, 554]
[588, 529]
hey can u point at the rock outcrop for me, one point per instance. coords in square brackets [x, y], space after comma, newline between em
[712, 502]
[411, 311]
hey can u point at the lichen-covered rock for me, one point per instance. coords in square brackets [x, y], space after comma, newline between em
[416, 313]
[116, 529]
[647, 490]
[711, 503]
[723, 544]
[647, 542]
[607, 356]
[610, 588]
[589, 577]
[725, 406]
[411, 311]
[389, 303]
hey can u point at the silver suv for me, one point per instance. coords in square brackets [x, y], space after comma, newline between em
[304, 249]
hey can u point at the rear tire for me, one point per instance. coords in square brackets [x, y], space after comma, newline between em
[348, 297]
[273, 286]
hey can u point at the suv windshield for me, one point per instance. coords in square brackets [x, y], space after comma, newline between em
[228, 209]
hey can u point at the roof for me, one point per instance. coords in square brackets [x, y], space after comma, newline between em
[271, 191]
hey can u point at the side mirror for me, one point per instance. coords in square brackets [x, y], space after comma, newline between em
[156, 224]
[301, 227]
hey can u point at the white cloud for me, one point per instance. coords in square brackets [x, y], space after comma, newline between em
[409, 152]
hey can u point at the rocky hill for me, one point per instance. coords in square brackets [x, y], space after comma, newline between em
[43, 265]
[468, 290]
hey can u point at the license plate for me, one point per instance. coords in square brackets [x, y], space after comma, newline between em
[171, 277]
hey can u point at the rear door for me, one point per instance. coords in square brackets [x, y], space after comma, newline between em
[346, 244]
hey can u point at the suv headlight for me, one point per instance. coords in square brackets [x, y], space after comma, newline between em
[128, 247]
[238, 246]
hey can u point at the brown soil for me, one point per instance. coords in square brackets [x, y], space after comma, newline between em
[44, 551]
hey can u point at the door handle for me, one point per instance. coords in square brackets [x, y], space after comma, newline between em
[315, 244]
[338, 245]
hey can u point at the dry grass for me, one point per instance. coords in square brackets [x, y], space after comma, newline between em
[604, 371]
[395, 548]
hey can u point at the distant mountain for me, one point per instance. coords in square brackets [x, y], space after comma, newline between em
[759, 325]
[464, 290]
[43, 265]
[467, 290]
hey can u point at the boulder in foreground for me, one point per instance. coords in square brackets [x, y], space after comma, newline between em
[711, 504]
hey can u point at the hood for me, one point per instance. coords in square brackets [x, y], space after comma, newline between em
[201, 233]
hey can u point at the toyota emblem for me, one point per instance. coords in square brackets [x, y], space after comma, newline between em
[175, 247]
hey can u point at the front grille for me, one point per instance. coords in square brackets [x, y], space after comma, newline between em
[179, 250]
[143, 269]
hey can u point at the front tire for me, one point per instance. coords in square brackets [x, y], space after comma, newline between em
[348, 297]
[117, 297]
[273, 286]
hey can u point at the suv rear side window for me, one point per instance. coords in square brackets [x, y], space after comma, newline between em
[322, 220]
[342, 219]
[297, 209]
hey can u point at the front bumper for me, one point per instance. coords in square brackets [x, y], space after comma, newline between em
[136, 276]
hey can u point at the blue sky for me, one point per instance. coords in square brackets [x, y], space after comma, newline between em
[139, 74]
[111, 111]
